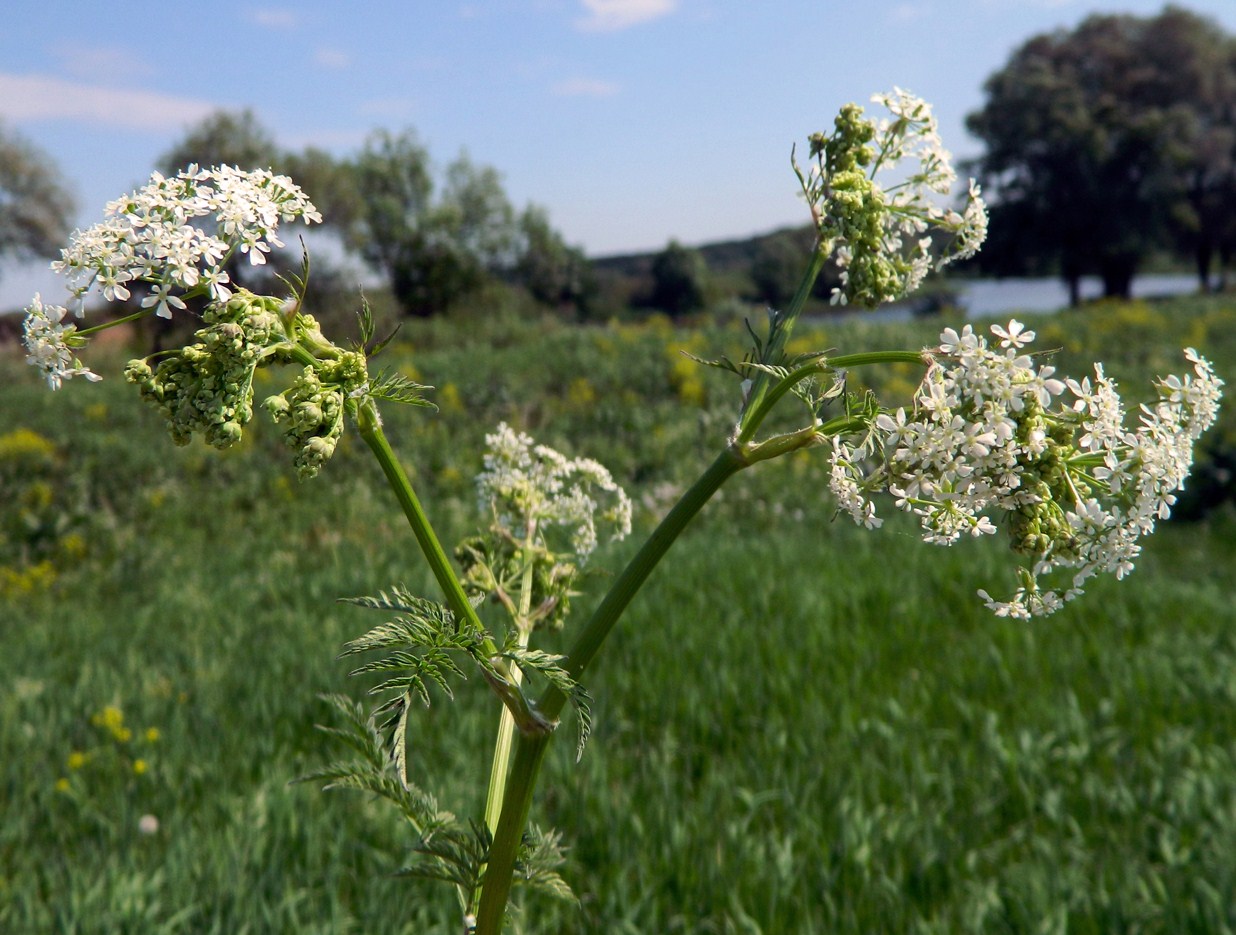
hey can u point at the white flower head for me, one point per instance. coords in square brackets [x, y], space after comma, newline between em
[176, 234]
[991, 438]
[527, 485]
[50, 344]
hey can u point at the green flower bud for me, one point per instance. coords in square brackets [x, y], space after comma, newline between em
[278, 406]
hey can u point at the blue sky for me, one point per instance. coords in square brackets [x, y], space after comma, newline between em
[631, 121]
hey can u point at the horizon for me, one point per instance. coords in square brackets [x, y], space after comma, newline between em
[633, 122]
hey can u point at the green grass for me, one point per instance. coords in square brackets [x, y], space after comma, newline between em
[800, 726]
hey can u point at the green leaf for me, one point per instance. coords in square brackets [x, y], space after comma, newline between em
[540, 856]
[398, 389]
[547, 666]
[452, 854]
[400, 600]
[364, 319]
[375, 770]
[399, 740]
[298, 284]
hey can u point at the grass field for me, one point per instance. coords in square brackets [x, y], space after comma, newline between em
[800, 726]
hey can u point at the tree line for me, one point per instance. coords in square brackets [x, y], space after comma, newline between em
[1104, 146]
[1108, 143]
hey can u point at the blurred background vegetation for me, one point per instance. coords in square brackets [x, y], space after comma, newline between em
[1108, 150]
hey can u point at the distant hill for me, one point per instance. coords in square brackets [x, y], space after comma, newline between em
[723, 256]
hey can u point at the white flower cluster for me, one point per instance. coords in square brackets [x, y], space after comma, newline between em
[992, 434]
[49, 344]
[528, 485]
[882, 236]
[149, 236]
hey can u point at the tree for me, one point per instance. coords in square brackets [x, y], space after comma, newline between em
[1087, 135]
[1205, 218]
[777, 266]
[435, 251]
[553, 272]
[36, 208]
[678, 280]
[224, 138]
[238, 138]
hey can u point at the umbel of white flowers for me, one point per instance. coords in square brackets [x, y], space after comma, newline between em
[882, 236]
[175, 236]
[991, 434]
[150, 238]
[525, 485]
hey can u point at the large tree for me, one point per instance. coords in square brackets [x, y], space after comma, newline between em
[36, 208]
[225, 137]
[679, 280]
[1088, 136]
[434, 247]
[553, 272]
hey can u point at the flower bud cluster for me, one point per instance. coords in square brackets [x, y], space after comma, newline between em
[149, 236]
[312, 410]
[993, 435]
[882, 238]
[207, 387]
[527, 486]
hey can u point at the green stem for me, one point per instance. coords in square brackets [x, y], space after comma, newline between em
[530, 749]
[506, 725]
[370, 425]
[95, 329]
[780, 334]
[756, 414]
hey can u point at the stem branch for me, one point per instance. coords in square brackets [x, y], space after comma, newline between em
[530, 749]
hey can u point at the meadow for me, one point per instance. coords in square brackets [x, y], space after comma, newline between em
[799, 726]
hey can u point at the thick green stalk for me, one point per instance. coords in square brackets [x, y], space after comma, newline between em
[526, 716]
[781, 334]
[530, 749]
[370, 426]
[505, 741]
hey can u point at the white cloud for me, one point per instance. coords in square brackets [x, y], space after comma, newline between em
[38, 97]
[388, 108]
[88, 61]
[907, 13]
[273, 18]
[332, 59]
[610, 15]
[585, 87]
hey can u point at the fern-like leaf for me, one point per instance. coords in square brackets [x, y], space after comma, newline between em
[454, 854]
[398, 389]
[372, 771]
[547, 666]
[541, 854]
[399, 600]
